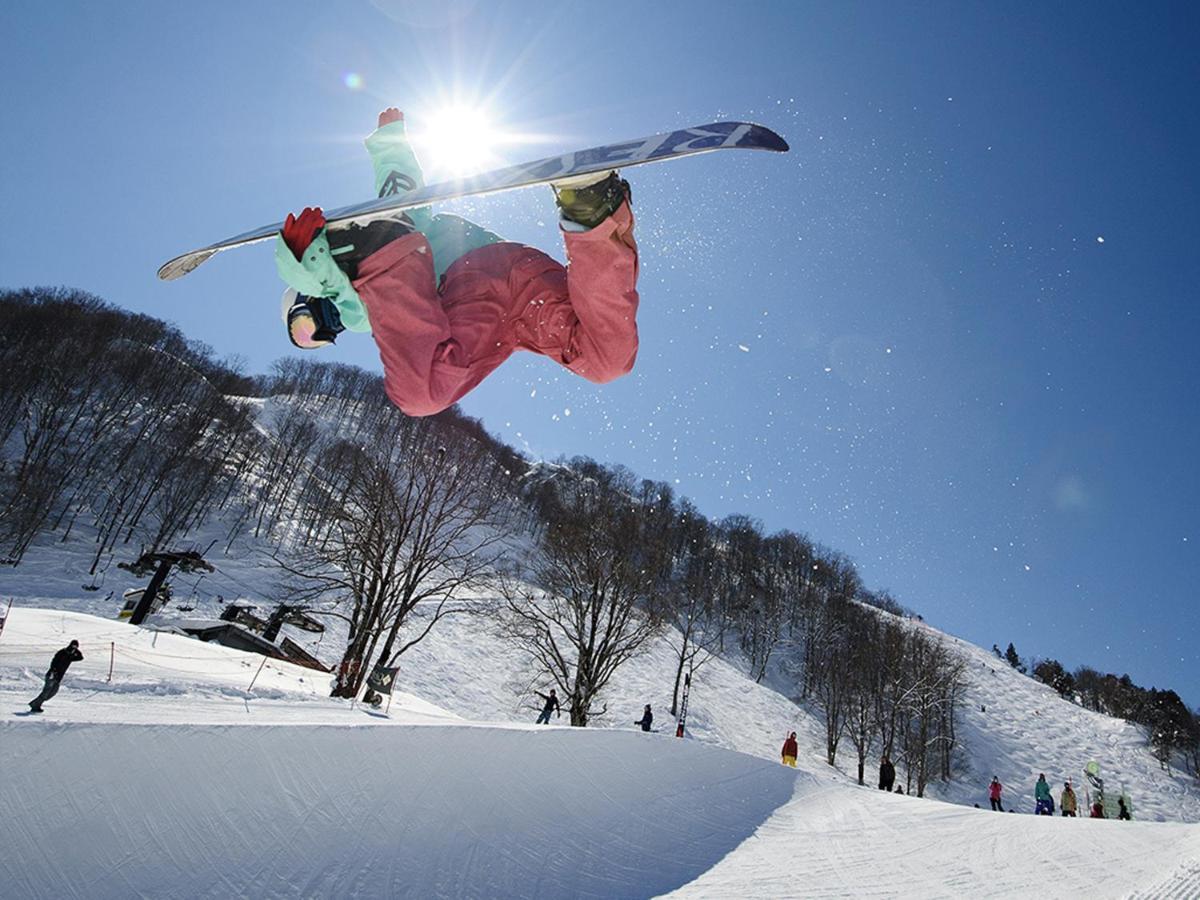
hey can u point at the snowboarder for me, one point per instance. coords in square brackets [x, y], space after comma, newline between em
[1123, 810]
[1067, 800]
[54, 675]
[1098, 810]
[646, 719]
[790, 750]
[448, 301]
[887, 774]
[994, 790]
[551, 705]
[1041, 794]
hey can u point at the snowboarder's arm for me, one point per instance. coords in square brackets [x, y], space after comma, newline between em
[313, 272]
[397, 170]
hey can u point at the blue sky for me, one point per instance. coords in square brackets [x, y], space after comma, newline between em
[952, 333]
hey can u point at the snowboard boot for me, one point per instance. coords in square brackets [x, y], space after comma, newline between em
[352, 243]
[588, 200]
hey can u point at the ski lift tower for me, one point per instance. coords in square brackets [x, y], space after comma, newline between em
[161, 564]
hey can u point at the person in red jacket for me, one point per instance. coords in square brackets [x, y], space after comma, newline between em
[790, 750]
[994, 790]
[440, 332]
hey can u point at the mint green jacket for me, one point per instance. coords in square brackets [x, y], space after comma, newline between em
[397, 171]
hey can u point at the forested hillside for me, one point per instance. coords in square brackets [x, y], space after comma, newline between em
[118, 432]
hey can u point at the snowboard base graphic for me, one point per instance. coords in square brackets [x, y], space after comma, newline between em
[656, 148]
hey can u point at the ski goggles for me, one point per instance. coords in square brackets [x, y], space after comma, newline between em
[312, 322]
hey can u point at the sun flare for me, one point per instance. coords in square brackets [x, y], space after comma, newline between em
[457, 141]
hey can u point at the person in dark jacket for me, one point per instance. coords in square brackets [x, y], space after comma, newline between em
[550, 706]
[54, 676]
[887, 774]
[646, 719]
[790, 750]
[1123, 810]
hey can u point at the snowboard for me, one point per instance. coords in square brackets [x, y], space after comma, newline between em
[656, 148]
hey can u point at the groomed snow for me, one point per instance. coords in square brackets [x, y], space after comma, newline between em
[185, 785]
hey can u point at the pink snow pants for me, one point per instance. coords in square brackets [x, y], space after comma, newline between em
[436, 345]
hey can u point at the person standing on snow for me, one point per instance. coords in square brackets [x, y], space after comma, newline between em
[551, 705]
[54, 675]
[646, 719]
[790, 750]
[1123, 810]
[1041, 794]
[1098, 810]
[1067, 800]
[887, 774]
[448, 301]
[994, 790]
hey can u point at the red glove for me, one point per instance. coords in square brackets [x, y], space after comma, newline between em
[299, 232]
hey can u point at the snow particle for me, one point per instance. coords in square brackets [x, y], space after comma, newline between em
[1099, 239]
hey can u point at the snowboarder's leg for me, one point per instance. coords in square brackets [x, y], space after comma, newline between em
[423, 365]
[437, 346]
[602, 276]
[48, 690]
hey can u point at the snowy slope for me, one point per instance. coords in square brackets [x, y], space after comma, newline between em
[1017, 727]
[186, 785]
[465, 668]
[217, 793]
[834, 841]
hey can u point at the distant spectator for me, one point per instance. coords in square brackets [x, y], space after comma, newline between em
[550, 706]
[1067, 800]
[1098, 810]
[646, 719]
[790, 750]
[1123, 811]
[1041, 794]
[887, 774]
[899, 789]
[54, 676]
[994, 790]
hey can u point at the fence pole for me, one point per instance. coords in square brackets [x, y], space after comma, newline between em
[112, 654]
[255, 678]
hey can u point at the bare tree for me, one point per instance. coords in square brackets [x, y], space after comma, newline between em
[415, 521]
[596, 570]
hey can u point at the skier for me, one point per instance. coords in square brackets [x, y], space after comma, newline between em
[448, 301]
[646, 719]
[790, 750]
[551, 705]
[1123, 810]
[1041, 793]
[54, 675]
[887, 774]
[994, 790]
[1067, 800]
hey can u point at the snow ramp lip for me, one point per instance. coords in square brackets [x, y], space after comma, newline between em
[428, 811]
